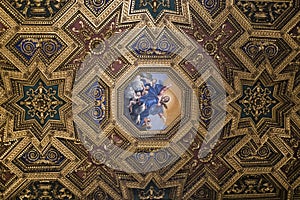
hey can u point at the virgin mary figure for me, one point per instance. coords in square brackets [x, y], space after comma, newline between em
[150, 103]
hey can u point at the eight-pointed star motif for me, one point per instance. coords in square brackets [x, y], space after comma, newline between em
[38, 104]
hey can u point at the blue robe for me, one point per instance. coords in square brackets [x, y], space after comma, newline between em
[150, 100]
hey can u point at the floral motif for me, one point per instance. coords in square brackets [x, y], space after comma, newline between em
[214, 44]
[257, 101]
[205, 102]
[152, 194]
[95, 43]
[165, 45]
[252, 184]
[266, 12]
[155, 7]
[205, 192]
[50, 160]
[97, 6]
[45, 190]
[214, 7]
[27, 47]
[100, 103]
[41, 102]
[152, 191]
[254, 48]
[272, 50]
[264, 155]
[99, 194]
[97, 94]
[38, 8]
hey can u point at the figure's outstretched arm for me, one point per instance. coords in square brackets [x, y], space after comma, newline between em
[165, 89]
[168, 86]
[159, 100]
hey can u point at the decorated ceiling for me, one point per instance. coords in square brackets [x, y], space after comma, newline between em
[150, 99]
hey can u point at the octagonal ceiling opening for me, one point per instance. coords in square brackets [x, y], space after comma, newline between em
[153, 100]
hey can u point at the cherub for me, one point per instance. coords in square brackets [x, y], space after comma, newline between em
[134, 100]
